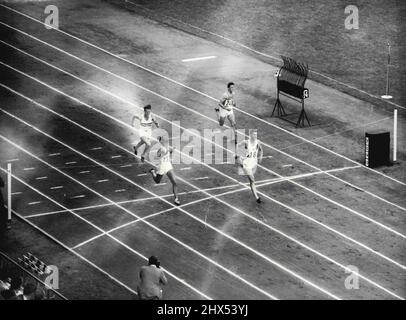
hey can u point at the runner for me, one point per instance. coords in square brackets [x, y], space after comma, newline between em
[248, 163]
[145, 130]
[225, 109]
[165, 166]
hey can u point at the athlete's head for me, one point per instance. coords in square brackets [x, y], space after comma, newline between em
[230, 87]
[253, 134]
[147, 109]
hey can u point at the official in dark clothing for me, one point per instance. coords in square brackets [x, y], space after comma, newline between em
[3, 211]
[152, 278]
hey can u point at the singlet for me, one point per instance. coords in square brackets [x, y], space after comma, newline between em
[228, 100]
[146, 122]
[252, 149]
[164, 155]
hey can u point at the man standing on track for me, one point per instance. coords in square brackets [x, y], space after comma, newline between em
[225, 109]
[248, 163]
[145, 130]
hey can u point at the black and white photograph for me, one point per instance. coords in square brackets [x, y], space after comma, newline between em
[196, 150]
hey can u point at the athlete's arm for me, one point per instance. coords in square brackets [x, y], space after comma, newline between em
[155, 122]
[132, 120]
[260, 152]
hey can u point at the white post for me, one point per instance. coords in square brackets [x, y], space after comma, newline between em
[9, 191]
[395, 133]
[387, 95]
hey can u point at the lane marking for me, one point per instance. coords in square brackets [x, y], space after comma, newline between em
[201, 93]
[159, 184]
[71, 162]
[16, 193]
[131, 213]
[307, 281]
[79, 196]
[53, 154]
[142, 174]
[41, 178]
[225, 235]
[187, 168]
[126, 166]
[211, 168]
[12, 160]
[195, 218]
[199, 59]
[86, 171]
[266, 169]
[113, 157]
[57, 187]
[103, 180]
[201, 178]
[287, 165]
[266, 196]
[33, 203]
[29, 169]
[96, 148]
[120, 190]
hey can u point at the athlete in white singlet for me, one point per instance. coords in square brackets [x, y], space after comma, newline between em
[165, 166]
[225, 109]
[145, 130]
[249, 162]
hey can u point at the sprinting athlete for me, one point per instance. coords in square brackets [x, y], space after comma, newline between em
[145, 131]
[225, 109]
[249, 162]
[165, 166]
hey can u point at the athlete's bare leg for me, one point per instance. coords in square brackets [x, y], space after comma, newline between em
[172, 178]
[253, 187]
[146, 150]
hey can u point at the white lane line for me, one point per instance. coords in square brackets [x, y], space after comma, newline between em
[211, 168]
[71, 162]
[56, 187]
[129, 102]
[29, 169]
[270, 260]
[287, 165]
[113, 157]
[16, 193]
[12, 160]
[86, 171]
[159, 184]
[146, 222]
[142, 174]
[153, 226]
[266, 196]
[33, 203]
[74, 252]
[96, 148]
[187, 168]
[102, 231]
[120, 190]
[102, 180]
[199, 59]
[41, 178]
[202, 93]
[54, 154]
[201, 178]
[78, 197]
[259, 221]
[126, 166]
[211, 227]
